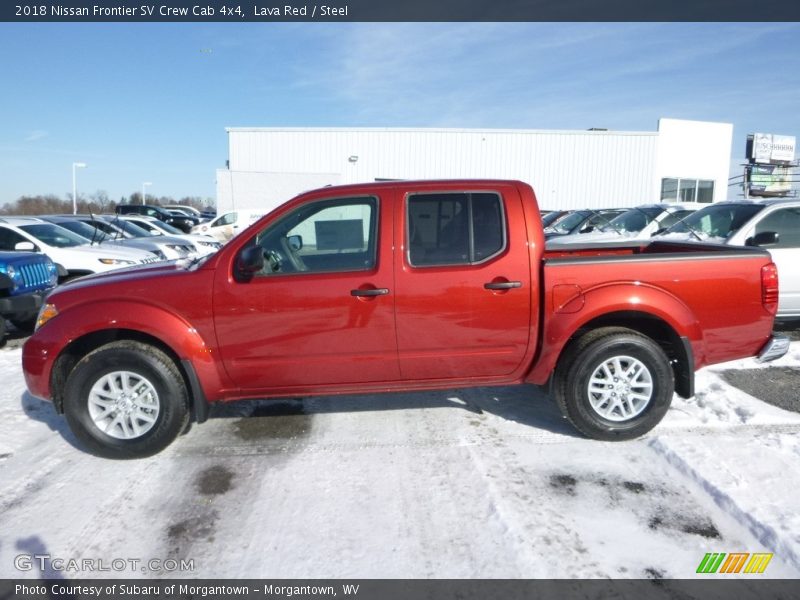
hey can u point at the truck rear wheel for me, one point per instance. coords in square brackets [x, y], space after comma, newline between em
[126, 400]
[614, 384]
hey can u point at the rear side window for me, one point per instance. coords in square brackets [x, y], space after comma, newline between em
[454, 228]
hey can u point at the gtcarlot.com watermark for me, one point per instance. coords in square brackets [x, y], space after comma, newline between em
[50, 563]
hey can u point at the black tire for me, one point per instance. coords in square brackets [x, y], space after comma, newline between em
[166, 398]
[595, 413]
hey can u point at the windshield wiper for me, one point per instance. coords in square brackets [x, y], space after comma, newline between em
[688, 227]
[604, 218]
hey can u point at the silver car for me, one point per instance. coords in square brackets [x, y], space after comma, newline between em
[99, 231]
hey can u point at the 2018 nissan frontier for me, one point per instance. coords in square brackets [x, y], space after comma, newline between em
[398, 286]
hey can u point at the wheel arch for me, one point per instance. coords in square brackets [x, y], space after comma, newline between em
[677, 347]
[73, 352]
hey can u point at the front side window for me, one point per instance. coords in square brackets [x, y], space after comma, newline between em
[454, 228]
[226, 219]
[786, 223]
[326, 236]
[10, 238]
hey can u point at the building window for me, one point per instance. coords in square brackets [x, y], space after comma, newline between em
[687, 190]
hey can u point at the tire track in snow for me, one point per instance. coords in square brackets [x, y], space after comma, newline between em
[763, 532]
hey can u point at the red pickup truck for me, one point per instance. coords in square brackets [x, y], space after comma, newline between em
[398, 286]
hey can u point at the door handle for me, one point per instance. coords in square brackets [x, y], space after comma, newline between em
[502, 285]
[370, 292]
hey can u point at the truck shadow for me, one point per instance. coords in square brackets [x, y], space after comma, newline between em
[290, 418]
[45, 412]
[524, 404]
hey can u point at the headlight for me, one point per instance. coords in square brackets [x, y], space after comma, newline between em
[16, 278]
[52, 270]
[116, 261]
[47, 312]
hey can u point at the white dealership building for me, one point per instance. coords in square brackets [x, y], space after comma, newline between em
[680, 161]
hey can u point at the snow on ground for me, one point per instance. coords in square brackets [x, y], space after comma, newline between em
[480, 483]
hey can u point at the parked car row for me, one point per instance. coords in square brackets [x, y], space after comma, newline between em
[773, 224]
[87, 244]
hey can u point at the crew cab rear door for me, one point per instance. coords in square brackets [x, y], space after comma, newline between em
[321, 311]
[463, 282]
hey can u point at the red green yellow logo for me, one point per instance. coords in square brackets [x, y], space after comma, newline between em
[735, 562]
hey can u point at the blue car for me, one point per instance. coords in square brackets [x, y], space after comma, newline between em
[25, 280]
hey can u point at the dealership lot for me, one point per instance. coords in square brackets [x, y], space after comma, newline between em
[487, 482]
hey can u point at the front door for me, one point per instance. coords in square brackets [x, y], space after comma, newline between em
[463, 284]
[321, 311]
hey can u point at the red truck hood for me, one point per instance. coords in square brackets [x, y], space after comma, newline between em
[132, 274]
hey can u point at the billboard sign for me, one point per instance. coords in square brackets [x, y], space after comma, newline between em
[769, 180]
[768, 148]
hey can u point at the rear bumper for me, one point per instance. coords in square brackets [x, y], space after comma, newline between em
[777, 346]
[20, 306]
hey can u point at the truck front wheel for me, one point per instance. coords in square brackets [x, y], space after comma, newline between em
[126, 400]
[614, 384]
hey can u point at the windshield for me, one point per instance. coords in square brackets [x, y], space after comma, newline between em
[721, 221]
[570, 222]
[132, 228]
[169, 228]
[633, 220]
[158, 228]
[55, 236]
[547, 219]
[84, 230]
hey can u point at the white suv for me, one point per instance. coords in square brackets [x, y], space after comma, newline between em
[73, 252]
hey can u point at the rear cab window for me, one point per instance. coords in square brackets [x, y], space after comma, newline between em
[454, 228]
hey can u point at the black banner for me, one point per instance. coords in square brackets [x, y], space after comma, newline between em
[237, 11]
[737, 587]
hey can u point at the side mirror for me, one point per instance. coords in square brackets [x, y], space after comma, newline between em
[295, 242]
[587, 229]
[25, 246]
[763, 238]
[249, 262]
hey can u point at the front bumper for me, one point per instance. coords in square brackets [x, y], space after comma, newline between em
[21, 306]
[777, 346]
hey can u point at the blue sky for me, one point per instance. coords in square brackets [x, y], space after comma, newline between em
[150, 102]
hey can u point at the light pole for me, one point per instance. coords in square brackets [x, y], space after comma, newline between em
[144, 185]
[75, 165]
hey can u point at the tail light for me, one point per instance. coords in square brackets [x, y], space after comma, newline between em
[769, 287]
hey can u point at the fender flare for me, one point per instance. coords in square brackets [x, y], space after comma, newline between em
[117, 316]
[606, 300]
